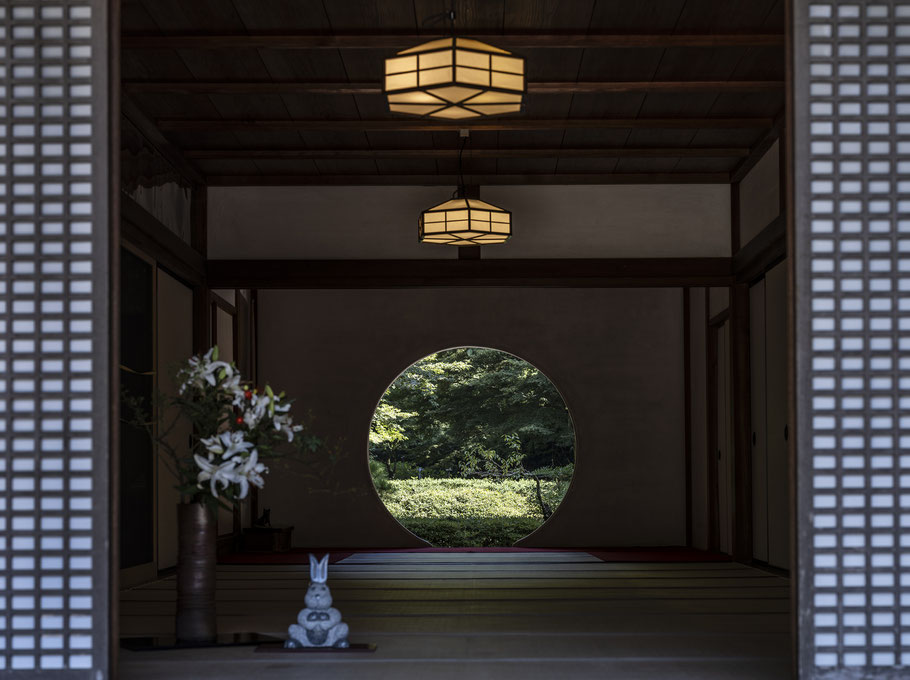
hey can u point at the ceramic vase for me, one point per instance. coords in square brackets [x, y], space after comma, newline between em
[196, 533]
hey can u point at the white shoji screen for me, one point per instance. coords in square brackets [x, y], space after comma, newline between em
[852, 195]
[54, 345]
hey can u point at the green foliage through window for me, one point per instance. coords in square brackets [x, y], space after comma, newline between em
[472, 413]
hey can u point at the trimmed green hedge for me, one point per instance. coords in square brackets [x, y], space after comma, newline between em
[466, 512]
[470, 532]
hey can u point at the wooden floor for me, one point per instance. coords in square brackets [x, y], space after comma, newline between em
[490, 615]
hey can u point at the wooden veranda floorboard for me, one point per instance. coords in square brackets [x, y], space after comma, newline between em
[493, 615]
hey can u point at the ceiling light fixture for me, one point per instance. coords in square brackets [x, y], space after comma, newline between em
[464, 220]
[454, 78]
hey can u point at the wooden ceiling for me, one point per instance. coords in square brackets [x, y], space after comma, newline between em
[256, 92]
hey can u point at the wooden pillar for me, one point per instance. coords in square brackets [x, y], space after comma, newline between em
[711, 424]
[202, 314]
[687, 382]
[740, 369]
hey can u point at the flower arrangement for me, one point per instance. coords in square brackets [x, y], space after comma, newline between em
[235, 428]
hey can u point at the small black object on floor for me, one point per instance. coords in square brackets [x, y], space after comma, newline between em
[279, 648]
[169, 642]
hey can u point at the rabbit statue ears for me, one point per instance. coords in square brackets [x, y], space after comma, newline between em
[319, 569]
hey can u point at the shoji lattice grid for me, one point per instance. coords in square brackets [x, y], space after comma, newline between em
[852, 164]
[53, 338]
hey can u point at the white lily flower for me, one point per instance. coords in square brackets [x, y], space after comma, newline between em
[231, 383]
[249, 471]
[255, 409]
[227, 444]
[211, 372]
[284, 423]
[229, 457]
[216, 474]
[239, 395]
[195, 372]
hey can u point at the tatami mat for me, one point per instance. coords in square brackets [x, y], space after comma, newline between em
[494, 615]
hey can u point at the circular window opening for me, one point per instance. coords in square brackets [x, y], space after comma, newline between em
[472, 447]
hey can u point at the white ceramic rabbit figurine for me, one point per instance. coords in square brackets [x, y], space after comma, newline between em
[319, 624]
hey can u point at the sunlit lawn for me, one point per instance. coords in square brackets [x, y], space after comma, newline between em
[467, 512]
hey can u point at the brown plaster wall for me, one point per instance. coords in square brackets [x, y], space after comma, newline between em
[615, 355]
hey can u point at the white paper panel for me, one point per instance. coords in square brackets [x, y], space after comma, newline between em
[54, 363]
[852, 95]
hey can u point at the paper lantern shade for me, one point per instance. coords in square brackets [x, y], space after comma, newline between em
[464, 222]
[455, 78]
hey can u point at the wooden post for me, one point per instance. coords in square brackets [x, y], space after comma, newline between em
[740, 368]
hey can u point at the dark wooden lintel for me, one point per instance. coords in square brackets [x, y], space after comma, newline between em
[551, 273]
[330, 88]
[491, 124]
[391, 41]
[484, 180]
[139, 227]
[471, 152]
[765, 250]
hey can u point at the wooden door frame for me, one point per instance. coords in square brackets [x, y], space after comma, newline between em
[147, 571]
[230, 541]
[712, 324]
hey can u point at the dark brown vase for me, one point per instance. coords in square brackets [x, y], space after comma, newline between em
[196, 533]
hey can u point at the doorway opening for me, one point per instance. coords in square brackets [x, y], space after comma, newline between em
[472, 447]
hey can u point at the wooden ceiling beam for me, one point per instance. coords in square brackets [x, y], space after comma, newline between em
[455, 180]
[553, 273]
[305, 87]
[759, 149]
[367, 154]
[487, 124]
[152, 133]
[388, 41]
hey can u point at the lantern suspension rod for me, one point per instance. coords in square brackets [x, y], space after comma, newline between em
[464, 134]
[448, 15]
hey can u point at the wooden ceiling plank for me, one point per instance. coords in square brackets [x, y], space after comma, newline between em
[284, 15]
[471, 16]
[181, 16]
[765, 104]
[631, 17]
[454, 180]
[730, 15]
[567, 87]
[366, 15]
[697, 104]
[562, 16]
[487, 124]
[393, 41]
[642, 152]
